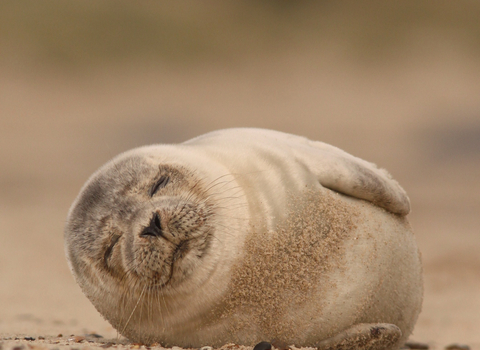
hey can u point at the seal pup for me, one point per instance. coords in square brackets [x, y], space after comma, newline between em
[244, 235]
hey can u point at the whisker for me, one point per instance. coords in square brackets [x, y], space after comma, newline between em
[136, 305]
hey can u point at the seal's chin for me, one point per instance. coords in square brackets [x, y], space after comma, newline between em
[158, 264]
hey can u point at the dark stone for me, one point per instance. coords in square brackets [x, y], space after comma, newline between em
[263, 346]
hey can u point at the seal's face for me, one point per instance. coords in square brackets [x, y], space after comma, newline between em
[141, 221]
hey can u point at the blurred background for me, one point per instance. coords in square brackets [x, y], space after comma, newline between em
[393, 82]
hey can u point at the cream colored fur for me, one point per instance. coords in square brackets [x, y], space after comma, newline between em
[275, 196]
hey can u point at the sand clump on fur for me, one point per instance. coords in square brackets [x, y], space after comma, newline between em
[281, 268]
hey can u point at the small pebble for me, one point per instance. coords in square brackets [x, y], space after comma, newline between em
[41, 338]
[206, 348]
[263, 346]
[77, 339]
[60, 335]
[29, 338]
[176, 348]
[457, 347]
[230, 346]
[416, 345]
[20, 347]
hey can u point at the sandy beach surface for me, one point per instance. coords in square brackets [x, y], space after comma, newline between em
[415, 112]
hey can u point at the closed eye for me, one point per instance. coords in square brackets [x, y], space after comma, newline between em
[161, 183]
[109, 250]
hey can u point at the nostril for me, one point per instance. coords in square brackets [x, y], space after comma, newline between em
[154, 229]
[148, 232]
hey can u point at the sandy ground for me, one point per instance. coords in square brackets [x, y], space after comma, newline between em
[417, 117]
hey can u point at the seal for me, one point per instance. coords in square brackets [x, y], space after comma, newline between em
[246, 235]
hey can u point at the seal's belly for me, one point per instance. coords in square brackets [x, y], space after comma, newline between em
[333, 262]
[379, 276]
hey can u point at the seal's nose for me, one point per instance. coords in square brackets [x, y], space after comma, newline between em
[154, 229]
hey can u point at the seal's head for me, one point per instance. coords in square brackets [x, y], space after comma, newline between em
[140, 227]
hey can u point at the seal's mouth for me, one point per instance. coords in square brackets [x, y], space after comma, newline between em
[161, 264]
[169, 247]
[163, 248]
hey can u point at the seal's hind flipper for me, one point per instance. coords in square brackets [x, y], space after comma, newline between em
[364, 336]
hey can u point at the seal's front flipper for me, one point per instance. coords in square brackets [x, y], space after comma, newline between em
[364, 336]
[339, 171]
